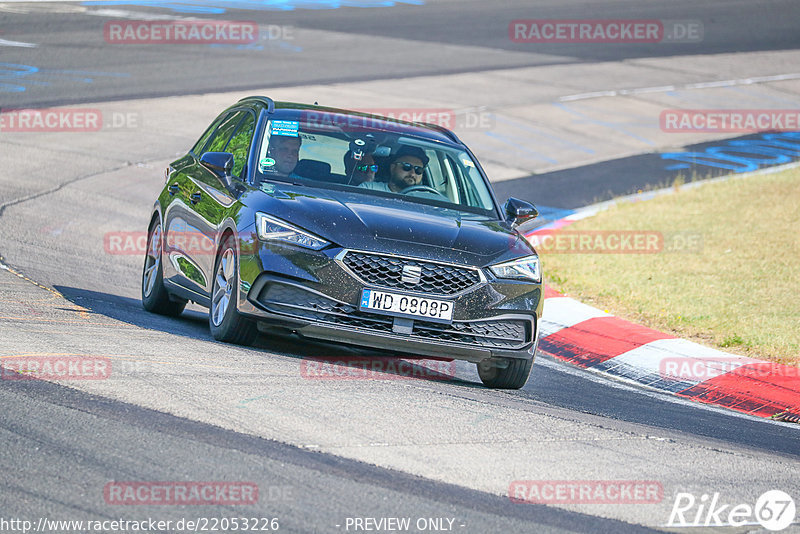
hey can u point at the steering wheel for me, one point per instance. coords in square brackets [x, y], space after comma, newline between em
[413, 188]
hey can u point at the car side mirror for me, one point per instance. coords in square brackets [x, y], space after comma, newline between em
[220, 163]
[518, 211]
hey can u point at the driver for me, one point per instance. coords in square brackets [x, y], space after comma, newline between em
[405, 170]
[285, 150]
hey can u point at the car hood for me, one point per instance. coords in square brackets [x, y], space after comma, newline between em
[376, 223]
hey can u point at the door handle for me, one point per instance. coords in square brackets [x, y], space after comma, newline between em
[196, 197]
[173, 189]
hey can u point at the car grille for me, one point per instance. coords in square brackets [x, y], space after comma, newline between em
[297, 302]
[386, 271]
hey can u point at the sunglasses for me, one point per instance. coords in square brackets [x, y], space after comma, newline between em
[407, 167]
[367, 168]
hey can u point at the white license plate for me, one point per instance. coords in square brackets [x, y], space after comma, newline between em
[406, 305]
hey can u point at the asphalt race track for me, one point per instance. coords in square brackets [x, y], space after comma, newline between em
[181, 407]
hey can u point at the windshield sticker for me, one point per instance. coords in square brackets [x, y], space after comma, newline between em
[265, 163]
[467, 162]
[308, 136]
[288, 128]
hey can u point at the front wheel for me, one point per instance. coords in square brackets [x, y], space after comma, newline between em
[224, 321]
[505, 373]
[155, 297]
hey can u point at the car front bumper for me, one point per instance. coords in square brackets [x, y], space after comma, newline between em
[316, 295]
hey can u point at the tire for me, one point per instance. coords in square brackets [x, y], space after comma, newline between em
[224, 321]
[155, 297]
[512, 377]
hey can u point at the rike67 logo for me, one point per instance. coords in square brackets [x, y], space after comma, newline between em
[774, 510]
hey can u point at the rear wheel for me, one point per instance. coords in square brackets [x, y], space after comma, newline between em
[505, 373]
[224, 320]
[155, 297]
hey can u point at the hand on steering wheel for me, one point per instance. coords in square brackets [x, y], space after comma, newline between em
[412, 188]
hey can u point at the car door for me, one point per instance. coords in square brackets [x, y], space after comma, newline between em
[185, 243]
[212, 200]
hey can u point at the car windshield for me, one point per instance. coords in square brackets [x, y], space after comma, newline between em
[371, 160]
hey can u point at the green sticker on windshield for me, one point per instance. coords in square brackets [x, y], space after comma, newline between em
[266, 163]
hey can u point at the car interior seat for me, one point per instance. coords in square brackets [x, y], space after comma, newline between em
[313, 169]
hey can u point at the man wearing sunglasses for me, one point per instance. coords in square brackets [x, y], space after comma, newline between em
[359, 172]
[405, 170]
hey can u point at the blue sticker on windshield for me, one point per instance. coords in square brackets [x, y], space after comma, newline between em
[289, 128]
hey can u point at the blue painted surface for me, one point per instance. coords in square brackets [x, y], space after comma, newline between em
[548, 215]
[215, 7]
[741, 155]
[15, 78]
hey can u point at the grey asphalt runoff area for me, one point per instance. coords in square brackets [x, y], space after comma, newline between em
[179, 406]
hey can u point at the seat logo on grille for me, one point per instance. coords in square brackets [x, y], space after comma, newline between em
[412, 274]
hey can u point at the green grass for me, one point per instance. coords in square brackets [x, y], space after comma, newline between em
[736, 288]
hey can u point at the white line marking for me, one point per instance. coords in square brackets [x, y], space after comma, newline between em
[20, 44]
[667, 88]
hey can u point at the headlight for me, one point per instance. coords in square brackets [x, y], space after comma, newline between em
[526, 268]
[272, 229]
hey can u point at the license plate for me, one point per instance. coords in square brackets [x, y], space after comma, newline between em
[406, 305]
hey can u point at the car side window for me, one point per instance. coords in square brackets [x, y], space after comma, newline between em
[223, 134]
[239, 145]
[197, 149]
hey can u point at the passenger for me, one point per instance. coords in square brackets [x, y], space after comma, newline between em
[358, 172]
[405, 170]
[285, 150]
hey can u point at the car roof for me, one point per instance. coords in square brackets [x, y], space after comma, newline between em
[425, 130]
